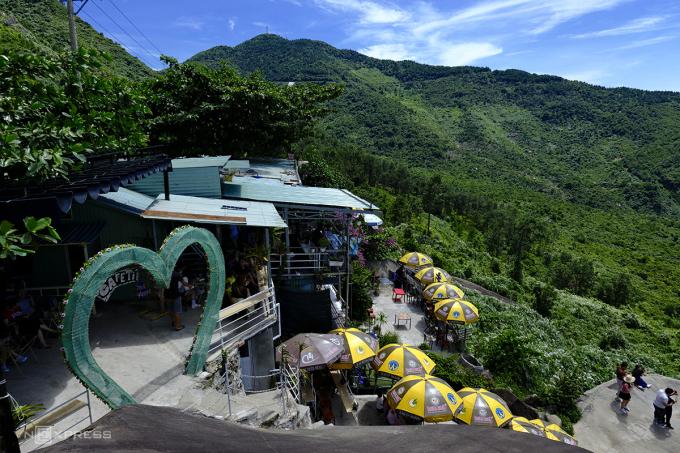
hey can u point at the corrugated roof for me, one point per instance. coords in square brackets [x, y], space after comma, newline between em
[126, 200]
[189, 181]
[77, 233]
[283, 194]
[194, 162]
[207, 210]
[263, 170]
[237, 164]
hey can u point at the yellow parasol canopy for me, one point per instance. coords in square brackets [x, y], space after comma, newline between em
[415, 259]
[441, 291]
[456, 311]
[360, 348]
[397, 361]
[424, 398]
[433, 275]
[523, 425]
[483, 408]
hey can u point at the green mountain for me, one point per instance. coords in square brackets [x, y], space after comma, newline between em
[42, 26]
[613, 149]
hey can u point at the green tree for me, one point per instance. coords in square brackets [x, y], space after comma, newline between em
[573, 273]
[616, 290]
[216, 111]
[58, 110]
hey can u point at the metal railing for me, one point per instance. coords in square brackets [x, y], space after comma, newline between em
[339, 317]
[244, 320]
[43, 434]
[301, 262]
[56, 291]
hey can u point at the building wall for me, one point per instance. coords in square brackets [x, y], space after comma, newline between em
[50, 263]
[192, 182]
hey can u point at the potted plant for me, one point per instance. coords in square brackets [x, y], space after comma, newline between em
[323, 244]
[260, 253]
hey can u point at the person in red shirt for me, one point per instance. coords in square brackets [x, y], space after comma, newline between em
[13, 317]
[620, 374]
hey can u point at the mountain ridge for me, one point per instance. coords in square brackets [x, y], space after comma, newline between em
[609, 148]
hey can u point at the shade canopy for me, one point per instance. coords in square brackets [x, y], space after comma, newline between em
[433, 275]
[456, 311]
[359, 348]
[440, 291]
[424, 398]
[311, 351]
[483, 408]
[397, 361]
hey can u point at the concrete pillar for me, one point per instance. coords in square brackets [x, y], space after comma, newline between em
[261, 348]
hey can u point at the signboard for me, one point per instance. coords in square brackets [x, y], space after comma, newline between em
[120, 278]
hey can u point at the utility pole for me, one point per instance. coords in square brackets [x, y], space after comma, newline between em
[72, 25]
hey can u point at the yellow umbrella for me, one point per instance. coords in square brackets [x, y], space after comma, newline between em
[441, 291]
[424, 398]
[523, 425]
[415, 259]
[433, 275]
[554, 432]
[456, 311]
[483, 408]
[360, 349]
[397, 361]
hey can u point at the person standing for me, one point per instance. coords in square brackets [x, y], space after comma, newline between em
[624, 394]
[663, 407]
[380, 404]
[620, 374]
[173, 299]
[637, 373]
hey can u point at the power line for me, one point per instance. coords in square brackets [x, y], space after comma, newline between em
[140, 31]
[114, 39]
[152, 55]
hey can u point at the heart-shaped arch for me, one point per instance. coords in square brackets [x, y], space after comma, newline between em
[78, 303]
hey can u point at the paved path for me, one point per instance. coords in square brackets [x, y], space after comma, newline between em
[412, 335]
[604, 429]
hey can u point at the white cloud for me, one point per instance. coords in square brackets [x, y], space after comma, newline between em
[190, 22]
[396, 52]
[636, 26]
[446, 33]
[462, 54]
[592, 76]
[232, 23]
[369, 12]
[644, 42]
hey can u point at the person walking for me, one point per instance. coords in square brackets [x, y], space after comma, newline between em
[637, 373]
[173, 299]
[624, 394]
[663, 407]
[620, 374]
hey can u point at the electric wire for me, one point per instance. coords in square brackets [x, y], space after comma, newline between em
[140, 31]
[105, 13]
[113, 38]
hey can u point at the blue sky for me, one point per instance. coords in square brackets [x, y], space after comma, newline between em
[631, 43]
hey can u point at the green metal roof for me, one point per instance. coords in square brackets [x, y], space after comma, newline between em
[297, 195]
[215, 211]
[194, 162]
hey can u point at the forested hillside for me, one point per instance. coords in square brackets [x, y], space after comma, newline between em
[42, 26]
[560, 195]
[615, 149]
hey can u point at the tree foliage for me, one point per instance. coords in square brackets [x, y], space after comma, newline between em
[215, 111]
[57, 107]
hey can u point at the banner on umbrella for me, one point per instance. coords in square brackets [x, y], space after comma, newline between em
[120, 278]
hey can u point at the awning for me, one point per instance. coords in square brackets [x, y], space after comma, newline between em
[100, 175]
[298, 196]
[77, 233]
[214, 211]
[126, 200]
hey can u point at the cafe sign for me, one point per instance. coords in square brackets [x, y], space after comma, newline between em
[120, 278]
